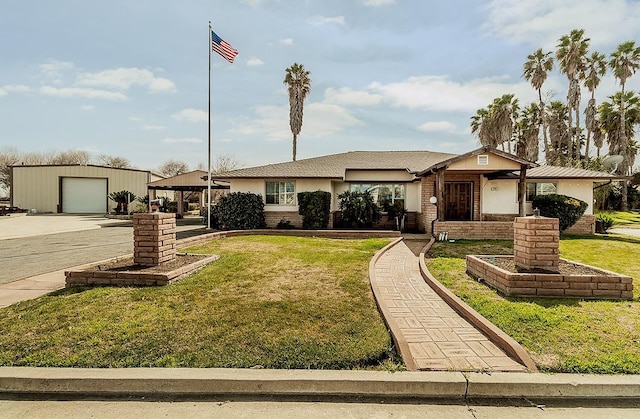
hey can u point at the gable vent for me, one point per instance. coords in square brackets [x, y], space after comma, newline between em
[483, 160]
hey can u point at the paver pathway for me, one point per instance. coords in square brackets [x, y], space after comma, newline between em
[429, 333]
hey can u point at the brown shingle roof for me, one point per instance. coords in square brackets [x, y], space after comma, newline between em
[334, 165]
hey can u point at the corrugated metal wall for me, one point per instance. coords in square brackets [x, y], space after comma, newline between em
[38, 187]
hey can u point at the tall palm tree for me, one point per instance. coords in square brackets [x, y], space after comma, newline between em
[571, 53]
[558, 132]
[480, 125]
[494, 124]
[527, 133]
[595, 69]
[535, 70]
[624, 62]
[297, 78]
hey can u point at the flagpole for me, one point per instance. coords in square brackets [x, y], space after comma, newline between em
[209, 139]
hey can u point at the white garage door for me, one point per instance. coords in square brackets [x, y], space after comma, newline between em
[84, 195]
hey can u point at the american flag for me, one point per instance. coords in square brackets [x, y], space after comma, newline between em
[222, 47]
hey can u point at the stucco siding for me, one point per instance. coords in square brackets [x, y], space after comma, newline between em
[499, 196]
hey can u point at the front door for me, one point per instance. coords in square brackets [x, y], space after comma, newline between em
[458, 198]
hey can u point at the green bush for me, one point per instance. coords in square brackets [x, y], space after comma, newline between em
[315, 208]
[566, 209]
[239, 211]
[358, 209]
[607, 222]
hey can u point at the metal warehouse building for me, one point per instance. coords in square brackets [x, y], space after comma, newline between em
[76, 189]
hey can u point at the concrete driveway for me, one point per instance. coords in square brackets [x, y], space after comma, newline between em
[22, 225]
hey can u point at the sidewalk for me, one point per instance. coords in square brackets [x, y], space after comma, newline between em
[429, 334]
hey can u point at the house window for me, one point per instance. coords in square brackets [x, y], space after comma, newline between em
[281, 193]
[534, 189]
[384, 194]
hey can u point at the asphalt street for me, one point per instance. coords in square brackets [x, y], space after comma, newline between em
[25, 257]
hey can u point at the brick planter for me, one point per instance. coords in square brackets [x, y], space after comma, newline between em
[154, 238]
[600, 284]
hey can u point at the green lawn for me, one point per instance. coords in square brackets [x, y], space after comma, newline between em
[623, 219]
[561, 335]
[278, 302]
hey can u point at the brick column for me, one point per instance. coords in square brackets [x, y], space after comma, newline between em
[536, 242]
[154, 238]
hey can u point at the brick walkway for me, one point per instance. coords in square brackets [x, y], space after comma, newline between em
[430, 335]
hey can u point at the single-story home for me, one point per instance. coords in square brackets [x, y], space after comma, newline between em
[473, 195]
[79, 189]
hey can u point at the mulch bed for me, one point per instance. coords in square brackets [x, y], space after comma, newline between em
[565, 267]
[127, 264]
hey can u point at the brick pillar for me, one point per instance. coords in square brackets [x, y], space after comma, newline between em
[154, 238]
[536, 242]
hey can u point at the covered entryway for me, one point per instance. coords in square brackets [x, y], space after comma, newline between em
[458, 198]
[83, 195]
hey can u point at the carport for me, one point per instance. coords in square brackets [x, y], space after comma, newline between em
[195, 181]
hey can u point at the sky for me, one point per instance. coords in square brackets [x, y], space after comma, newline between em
[130, 78]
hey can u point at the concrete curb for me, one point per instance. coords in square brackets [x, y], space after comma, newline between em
[185, 383]
[500, 338]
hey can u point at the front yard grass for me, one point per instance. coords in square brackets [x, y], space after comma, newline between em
[275, 302]
[561, 335]
[623, 218]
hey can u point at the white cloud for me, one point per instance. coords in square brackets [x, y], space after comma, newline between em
[191, 115]
[88, 107]
[16, 88]
[287, 41]
[181, 140]
[321, 20]
[124, 78]
[54, 68]
[153, 127]
[135, 118]
[254, 62]
[3, 92]
[320, 119]
[348, 96]
[439, 93]
[541, 23]
[376, 3]
[437, 126]
[72, 92]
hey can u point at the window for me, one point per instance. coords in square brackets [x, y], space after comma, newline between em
[534, 189]
[384, 194]
[281, 193]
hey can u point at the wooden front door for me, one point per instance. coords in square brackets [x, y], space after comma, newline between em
[458, 198]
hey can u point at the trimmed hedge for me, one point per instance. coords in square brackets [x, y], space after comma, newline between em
[239, 211]
[315, 208]
[566, 209]
[358, 209]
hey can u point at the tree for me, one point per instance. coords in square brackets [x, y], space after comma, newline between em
[9, 156]
[571, 53]
[172, 168]
[527, 133]
[115, 162]
[495, 124]
[297, 78]
[595, 69]
[71, 157]
[625, 60]
[225, 163]
[535, 70]
[558, 132]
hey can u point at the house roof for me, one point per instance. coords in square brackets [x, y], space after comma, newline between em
[84, 165]
[482, 150]
[557, 172]
[334, 165]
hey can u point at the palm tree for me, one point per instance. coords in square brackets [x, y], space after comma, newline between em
[527, 133]
[480, 125]
[595, 69]
[571, 53]
[494, 124]
[558, 132]
[624, 62]
[535, 70]
[297, 78]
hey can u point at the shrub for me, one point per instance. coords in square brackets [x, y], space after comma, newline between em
[239, 211]
[122, 200]
[607, 222]
[284, 224]
[566, 209]
[358, 209]
[315, 208]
